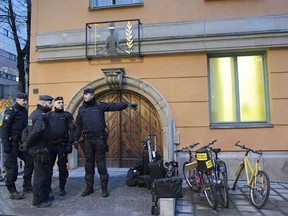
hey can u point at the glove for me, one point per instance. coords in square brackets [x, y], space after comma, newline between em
[23, 147]
[132, 105]
[68, 149]
[75, 145]
[7, 148]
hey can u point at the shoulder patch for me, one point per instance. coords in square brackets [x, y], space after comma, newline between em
[7, 117]
[30, 123]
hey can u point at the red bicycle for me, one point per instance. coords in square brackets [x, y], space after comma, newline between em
[198, 179]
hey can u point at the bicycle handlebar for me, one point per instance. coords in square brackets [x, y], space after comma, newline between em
[194, 145]
[248, 149]
[210, 143]
[187, 148]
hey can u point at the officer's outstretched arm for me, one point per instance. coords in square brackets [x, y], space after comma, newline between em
[132, 105]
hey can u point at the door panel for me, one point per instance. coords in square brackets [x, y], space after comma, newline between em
[128, 128]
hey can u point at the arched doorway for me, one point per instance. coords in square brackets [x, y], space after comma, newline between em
[128, 128]
[148, 93]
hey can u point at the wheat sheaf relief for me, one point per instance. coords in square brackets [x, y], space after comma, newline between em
[129, 38]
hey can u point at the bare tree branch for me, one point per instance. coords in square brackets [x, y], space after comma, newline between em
[16, 15]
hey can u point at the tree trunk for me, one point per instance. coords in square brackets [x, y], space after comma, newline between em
[21, 70]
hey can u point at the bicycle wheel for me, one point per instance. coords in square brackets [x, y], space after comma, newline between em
[209, 191]
[238, 174]
[224, 189]
[191, 178]
[260, 189]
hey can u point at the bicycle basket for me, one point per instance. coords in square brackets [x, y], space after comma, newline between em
[204, 162]
[191, 165]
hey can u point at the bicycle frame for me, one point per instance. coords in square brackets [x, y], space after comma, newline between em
[249, 171]
[257, 180]
[192, 166]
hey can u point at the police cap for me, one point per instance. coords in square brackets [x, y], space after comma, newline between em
[58, 98]
[88, 90]
[21, 95]
[45, 98]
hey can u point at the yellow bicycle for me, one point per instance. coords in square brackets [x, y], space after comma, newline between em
[257, 180]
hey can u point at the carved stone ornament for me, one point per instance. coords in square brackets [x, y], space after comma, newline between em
[114, 77]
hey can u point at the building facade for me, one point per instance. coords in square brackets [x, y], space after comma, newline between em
[8, 65]
[200, 70]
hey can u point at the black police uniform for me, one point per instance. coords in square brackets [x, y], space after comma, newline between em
[37, 137]
[14, 122]
[62, 127]
[90, 123]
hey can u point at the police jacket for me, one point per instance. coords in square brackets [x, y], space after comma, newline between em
[38, 130]
[62, 125]
[14, 122]
[91, 119]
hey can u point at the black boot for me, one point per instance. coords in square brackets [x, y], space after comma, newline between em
[16, 195]
[43, 204]
[62, 192]
[87, 191]
[27, 187]
[105, 193]
[13, 192]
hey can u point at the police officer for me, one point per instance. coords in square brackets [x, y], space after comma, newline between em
[14, 122]
[36, 139]
[62, 126]
[90, 123]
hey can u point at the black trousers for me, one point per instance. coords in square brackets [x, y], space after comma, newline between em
[41, 179]
[58, 150]
[11, 166]
[94, 150]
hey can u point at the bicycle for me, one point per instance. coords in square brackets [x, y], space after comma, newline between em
[190, 168]
[219, 176]
[257, 180]
[198, 178]
[206, 170]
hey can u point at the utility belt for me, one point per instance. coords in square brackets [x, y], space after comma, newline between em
[61, 141]
[16, 139]
[94, 135]
[42, 155]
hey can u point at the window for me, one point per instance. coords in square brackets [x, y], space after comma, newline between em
[113, 3]
[8, 55]
[238, 91]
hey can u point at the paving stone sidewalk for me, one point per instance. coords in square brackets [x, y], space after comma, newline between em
[195, 204]
[123, 200]
[136, 201]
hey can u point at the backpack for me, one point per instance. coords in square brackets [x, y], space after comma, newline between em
[143, 181]
[131, 177]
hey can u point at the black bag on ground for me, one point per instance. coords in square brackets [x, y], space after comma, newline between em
[168, 187]
[156, 170]
[131, 177]
[143, 181]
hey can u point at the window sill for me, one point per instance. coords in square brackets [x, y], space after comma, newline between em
[116, 6]
[242, 125]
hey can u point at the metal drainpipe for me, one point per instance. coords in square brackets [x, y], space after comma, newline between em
[171, 128]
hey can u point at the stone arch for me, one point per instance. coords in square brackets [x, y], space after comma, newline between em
[145, 89]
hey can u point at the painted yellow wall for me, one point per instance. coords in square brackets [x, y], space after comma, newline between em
[73, 14]
[181, 79]
[183, 82]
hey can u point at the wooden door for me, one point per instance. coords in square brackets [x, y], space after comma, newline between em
[129, 128]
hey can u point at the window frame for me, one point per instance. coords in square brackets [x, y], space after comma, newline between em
[238, 123]
[93, 6]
